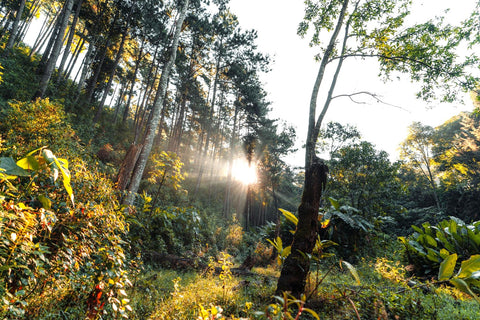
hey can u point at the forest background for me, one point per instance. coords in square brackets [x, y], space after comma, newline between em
[138, 145]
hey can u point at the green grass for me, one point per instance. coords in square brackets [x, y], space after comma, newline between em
[382, 294]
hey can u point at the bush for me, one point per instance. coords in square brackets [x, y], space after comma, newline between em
[429, 245]
[60, 256]
[173, 230]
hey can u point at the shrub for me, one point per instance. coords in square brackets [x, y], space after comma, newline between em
[429, 245]
[59, 258]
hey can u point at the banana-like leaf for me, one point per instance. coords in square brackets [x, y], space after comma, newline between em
[464, 287]
[353, 271]
[289, 216]
[334, 202]
[62, 166]
[10, 168]
[446, 267]
[28, 163]
[469, 267]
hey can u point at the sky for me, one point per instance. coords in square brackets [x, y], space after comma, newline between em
[290, 82]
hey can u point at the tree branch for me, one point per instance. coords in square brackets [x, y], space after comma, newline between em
[373, 95]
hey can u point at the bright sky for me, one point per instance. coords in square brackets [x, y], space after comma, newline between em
[290, 83]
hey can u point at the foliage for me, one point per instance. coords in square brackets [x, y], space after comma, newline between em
[18, 74]
[429, 245]
[165, 176]
[40, 248]
[466, 276]
[365, 179]
[173, 230]
[31, 125]
[416, 150]
[345, 226]
[61, 258]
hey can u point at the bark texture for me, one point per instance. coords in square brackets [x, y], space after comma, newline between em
[154, 121]
[57, 46]
[16, 23]
[297, 265]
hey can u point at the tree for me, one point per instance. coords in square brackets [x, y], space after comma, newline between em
[154, 121]
[14, 30]
[47, 69]
[371, 29]
[458, 165]
[364, 178]
[416, 150]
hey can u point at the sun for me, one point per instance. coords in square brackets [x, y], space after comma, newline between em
[244, 173]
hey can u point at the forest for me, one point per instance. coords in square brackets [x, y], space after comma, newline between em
[143, 176]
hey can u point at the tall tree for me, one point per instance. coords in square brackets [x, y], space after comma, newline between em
[47, 70]
[375, 29]
[417, 151]
[154, 121]
[14, 31]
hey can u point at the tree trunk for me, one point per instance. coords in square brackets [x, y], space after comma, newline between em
[47, 72]
[154, 123]
[45, 35]
[74, 58]
[132, 86]
[209, 123]
[14, 31]
[312, 136]
[228, 189]
[85, 67]
[92, 81]
[297, 265]
[71, 34]
[110, 77]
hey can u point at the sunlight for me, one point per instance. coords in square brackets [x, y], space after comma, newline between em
[244, 173]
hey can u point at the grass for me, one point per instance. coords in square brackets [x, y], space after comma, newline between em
[382, 294]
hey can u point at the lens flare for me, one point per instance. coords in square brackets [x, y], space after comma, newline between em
[244, 173]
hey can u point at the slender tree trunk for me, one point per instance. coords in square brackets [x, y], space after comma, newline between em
[228, 189]
[5, 23]
[85, 67]
[311, 137]
[110, 78]
[28, 21]
[57, 23]
[71, 34]
[297, 265]
[47, 73]
[44, 33]
[14, 31]
[73, 60]
[120, 98]
[210, 120]
[132, 86]
[153, 125]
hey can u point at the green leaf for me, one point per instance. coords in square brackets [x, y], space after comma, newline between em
[46, 203]
[335, 203]
[286, 251]
[463, 286]
[430, 240]
[61, 165]
[11, 168]
[469, 266]
[313, 313]
[418, 229]
[446, 267]
[289, 216]
[444, 253]
[28, 163]
[353, 271]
